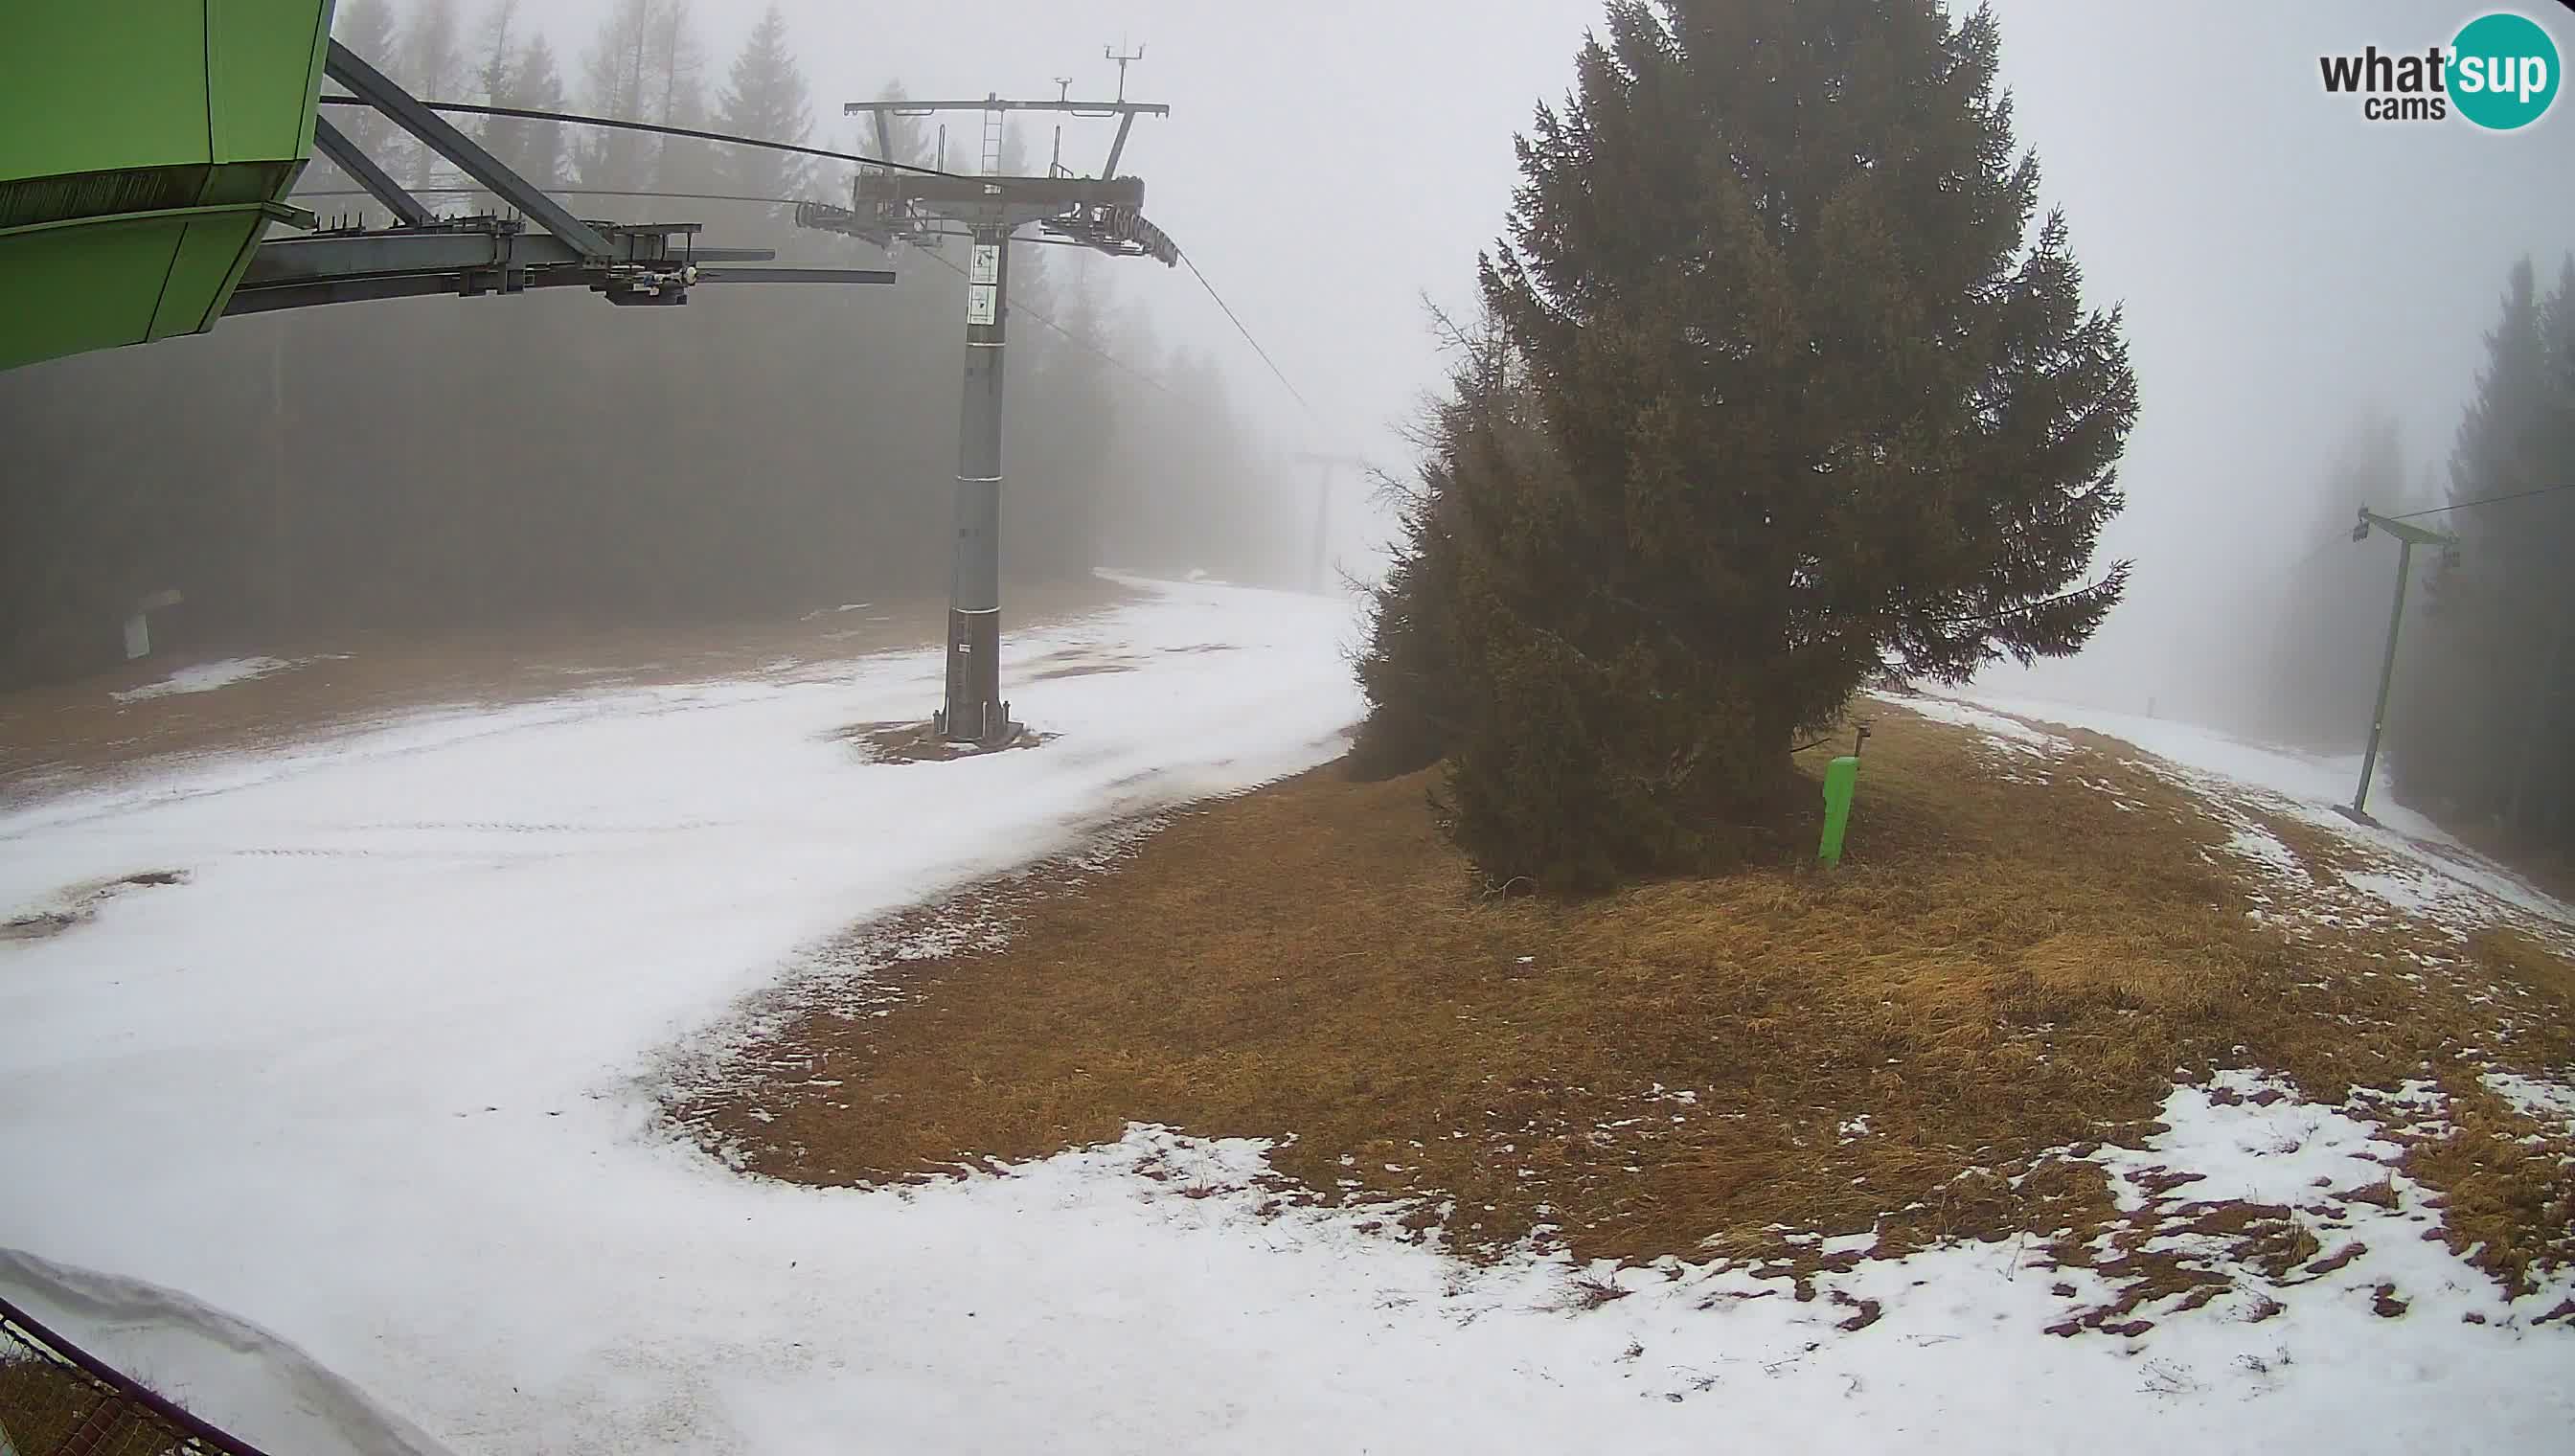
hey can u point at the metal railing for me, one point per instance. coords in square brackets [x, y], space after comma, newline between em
[57, 1399]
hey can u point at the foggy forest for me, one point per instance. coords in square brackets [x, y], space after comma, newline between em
[547, 458]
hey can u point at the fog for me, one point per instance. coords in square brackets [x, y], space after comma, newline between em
[2287, 267]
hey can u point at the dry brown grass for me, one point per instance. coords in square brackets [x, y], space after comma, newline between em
[2003, 971]
[43, 1405]
[56, 736]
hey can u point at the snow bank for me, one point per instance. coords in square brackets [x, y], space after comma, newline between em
[204, 1360]
[206, 677]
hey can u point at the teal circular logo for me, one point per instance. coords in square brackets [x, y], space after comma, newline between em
[2503, 71]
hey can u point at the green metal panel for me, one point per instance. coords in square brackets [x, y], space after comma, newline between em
[145, 147]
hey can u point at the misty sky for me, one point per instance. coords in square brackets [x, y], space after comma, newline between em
[2283, 262]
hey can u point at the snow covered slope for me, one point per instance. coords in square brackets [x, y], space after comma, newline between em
[377, 1078]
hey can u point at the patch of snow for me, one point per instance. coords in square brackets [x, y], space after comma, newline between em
[2311, 788]
[2551, 1103]
[2417, 892]
[2263, 848]
[207, 676]
[2275, 1153]
[2008, 734]
[2245, 1138]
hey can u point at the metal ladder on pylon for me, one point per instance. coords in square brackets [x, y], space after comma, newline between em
[992, 143]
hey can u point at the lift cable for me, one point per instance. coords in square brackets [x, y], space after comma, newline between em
[523, 113]
[2488, 500]
[1113, 360]
[1079, 342]
[1246, 336]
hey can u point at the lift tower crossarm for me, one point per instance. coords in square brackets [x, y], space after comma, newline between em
[2402, 531]
[1124, 111]
[998, 103]
[1016, 201]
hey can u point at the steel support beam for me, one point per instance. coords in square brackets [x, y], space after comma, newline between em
[1323, 528]
[483, 256]
[976, 713]
[796, 275]
[2408, 536]
[1326, 465]
[1118, 148]
[1023, 199]
[995, 103]
[1103, 213]
[441, 136]
[2386, 681]
[460, 247]
[360, 169]
[316, 293]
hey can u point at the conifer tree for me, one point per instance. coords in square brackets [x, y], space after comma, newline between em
[765, 95]
[1817, 403]
[2487, 698]
[366, 27]
[429, 61]
[533, 149]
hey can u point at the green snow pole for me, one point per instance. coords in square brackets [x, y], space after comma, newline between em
[1842, 781]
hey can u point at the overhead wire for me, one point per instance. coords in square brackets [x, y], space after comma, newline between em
[1240, 328]
[2488, 500]
[524, 113]
[2340, 536]
[1077, 341]
[1139, 375]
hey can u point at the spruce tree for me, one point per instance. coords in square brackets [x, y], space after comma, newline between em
[430, 63]
[535, 149]
[494, 57]
[615, 76]
[2492, 680]
[765, 95]
[675, 93]
[2327, 619]
[1817, 404]
[366, 27]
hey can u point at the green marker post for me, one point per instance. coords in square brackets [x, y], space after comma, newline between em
[1842, 781]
